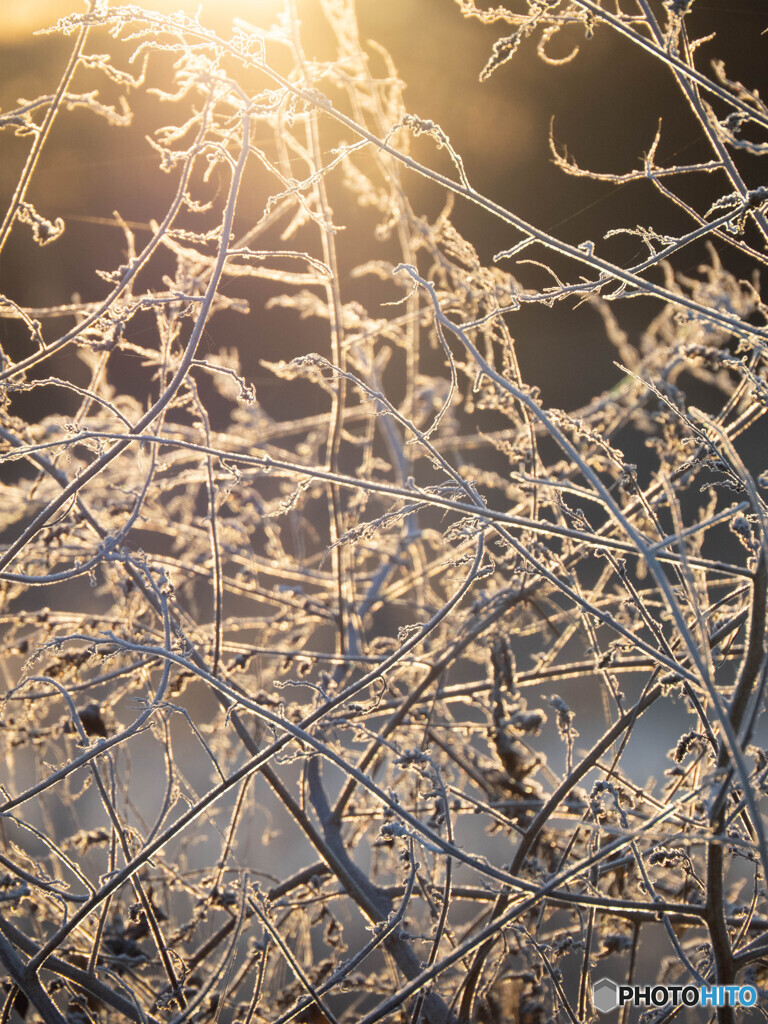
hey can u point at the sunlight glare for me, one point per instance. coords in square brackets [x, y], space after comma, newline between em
[20, 19]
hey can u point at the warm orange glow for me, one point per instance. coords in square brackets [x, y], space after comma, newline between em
[19, 20]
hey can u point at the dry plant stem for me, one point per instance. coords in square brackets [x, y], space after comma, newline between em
[417, 496]
[42, 135]
[19, 368]
[392, 925]
[375, 904]
[10, 999]
[241, 635]
[178, 379]
[372, 901]
[255, 764]
[620, 728]
[608, 271]
[533, 831]
[315, 996]
[703, 675]
[290, 731]
[524, 904]
[670, 59]
[30, 986]
[86, 980]
[119, 832]
[747, 681]
[688, 87]
[345, 628]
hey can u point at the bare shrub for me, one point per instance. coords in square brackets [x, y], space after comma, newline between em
[398, 695]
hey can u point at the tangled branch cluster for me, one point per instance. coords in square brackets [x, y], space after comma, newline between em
[342, 715]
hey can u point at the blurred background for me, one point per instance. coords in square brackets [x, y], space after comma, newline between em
[605, 107]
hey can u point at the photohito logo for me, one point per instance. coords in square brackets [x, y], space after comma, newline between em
[607, 995]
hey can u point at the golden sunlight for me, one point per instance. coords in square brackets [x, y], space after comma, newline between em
[20, 19]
